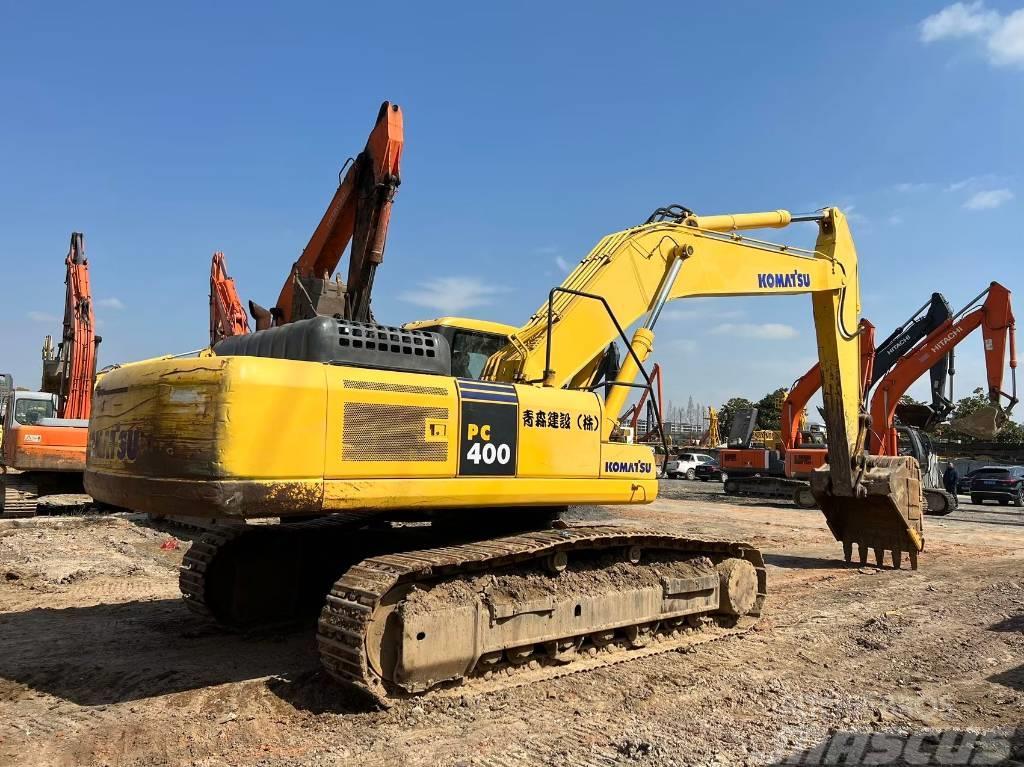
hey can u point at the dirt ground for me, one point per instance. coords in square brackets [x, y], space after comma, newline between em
[101, 664]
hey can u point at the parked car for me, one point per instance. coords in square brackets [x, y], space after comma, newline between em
[998, 483]
[708, 471]
[963, 485]
[685, 465]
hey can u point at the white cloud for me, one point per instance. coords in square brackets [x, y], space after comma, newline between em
[452, 295]
[1006, 45]
[1002, 36]
[43, 317]
[769, 331]
[959, 20]
[110, 303]
[562, 264]
[988, 199]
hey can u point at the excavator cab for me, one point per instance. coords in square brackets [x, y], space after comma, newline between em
[472, 342]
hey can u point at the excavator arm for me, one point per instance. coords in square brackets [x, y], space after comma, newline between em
[632, 274]
[928, 318]
[994, 317]
[359, 212]
[227, 317]
[70, 374]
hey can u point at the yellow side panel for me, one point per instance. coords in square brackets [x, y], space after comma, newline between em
[216, 417]
[621, 460]
[274, 418]
[572, 448]
[390, 424]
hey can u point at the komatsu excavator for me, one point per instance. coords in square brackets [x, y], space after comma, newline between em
[359, 212]
[995, 318]
[368, 424]
[45, 432]
[786, 473]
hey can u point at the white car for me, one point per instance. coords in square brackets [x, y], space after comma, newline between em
[685, 465]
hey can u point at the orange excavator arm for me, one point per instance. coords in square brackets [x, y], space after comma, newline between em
[803, 388]
[994, 317]
[227, 317]
[359, 213]
[76, 364]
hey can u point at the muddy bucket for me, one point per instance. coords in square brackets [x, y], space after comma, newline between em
[883, 514]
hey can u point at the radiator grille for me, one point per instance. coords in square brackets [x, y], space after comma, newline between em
[397, 388]
[390, 433]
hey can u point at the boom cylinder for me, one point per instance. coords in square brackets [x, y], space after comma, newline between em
[642, 343]
[772, 219]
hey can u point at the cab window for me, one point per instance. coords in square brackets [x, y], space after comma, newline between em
[470, 352]
[29, 411]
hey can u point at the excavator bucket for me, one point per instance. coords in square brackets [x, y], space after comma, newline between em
[883, 514]
[983, 423]
[919, 416]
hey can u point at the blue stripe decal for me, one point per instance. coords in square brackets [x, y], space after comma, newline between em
[510, 399]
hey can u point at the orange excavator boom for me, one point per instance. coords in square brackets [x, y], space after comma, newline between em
[359, 213]
[227, 317]
[994, 317]
[76, 366]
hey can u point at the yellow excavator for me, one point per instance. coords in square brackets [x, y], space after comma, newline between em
[347, 431]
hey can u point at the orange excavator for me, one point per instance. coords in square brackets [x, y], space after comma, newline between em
[785, 473]
[45, 432]
[359, 213]
[995, 318]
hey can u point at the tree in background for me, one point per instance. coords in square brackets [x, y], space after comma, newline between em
[769, 410]
[728, 411]
[906, 399]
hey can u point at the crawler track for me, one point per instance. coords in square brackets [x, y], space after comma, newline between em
[21, 498]
[348, 614]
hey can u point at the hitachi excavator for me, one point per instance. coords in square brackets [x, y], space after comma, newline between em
[370, 425]
[995, 318]
[45, 432]
[786, 473]
[359, 212]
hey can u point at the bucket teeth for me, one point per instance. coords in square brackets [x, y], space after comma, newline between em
[883, 512]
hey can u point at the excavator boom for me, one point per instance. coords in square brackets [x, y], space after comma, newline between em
[71, 373]
[994, 317]
[227, 317]
[359, 212]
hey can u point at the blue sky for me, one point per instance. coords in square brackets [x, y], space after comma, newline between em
[165, 133]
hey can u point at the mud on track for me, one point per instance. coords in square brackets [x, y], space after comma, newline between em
[101, 663]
